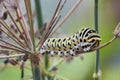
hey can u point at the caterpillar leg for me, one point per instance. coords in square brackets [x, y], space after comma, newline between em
[42, 51]
[72, 52]
[60, 53]
[81, 57]
[86, 46]
[52, 53]
[66, 53]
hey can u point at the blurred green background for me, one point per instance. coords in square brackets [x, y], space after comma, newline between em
[109, 16]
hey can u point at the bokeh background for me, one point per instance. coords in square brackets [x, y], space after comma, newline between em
[77, 69]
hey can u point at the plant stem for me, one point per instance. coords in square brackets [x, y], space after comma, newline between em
[40, 25]
[34, 59]
[39, 14]
[35, 70]
[96, 15]
[97, 52]
[39, 21]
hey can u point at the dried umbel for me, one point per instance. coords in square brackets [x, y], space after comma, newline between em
[21, 37]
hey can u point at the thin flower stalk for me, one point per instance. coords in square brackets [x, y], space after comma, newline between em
[24, 37]
[25, 30]
[67, 16]
[13, 20]
[9, 43]
[53, 22]
[12, 34]
[46, 32]
[29, 12]
[11, 48]
[11, 56]
[13, 45]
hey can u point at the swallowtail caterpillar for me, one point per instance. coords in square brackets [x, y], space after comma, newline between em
[85, 39]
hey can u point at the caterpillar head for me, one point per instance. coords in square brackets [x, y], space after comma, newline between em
[94, 39]
[90, 39]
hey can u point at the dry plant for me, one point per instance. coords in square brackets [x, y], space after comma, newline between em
[18, 37]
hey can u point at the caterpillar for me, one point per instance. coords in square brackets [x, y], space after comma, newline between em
[85, 39]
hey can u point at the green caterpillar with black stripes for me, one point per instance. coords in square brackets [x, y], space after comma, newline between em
[85, 39]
